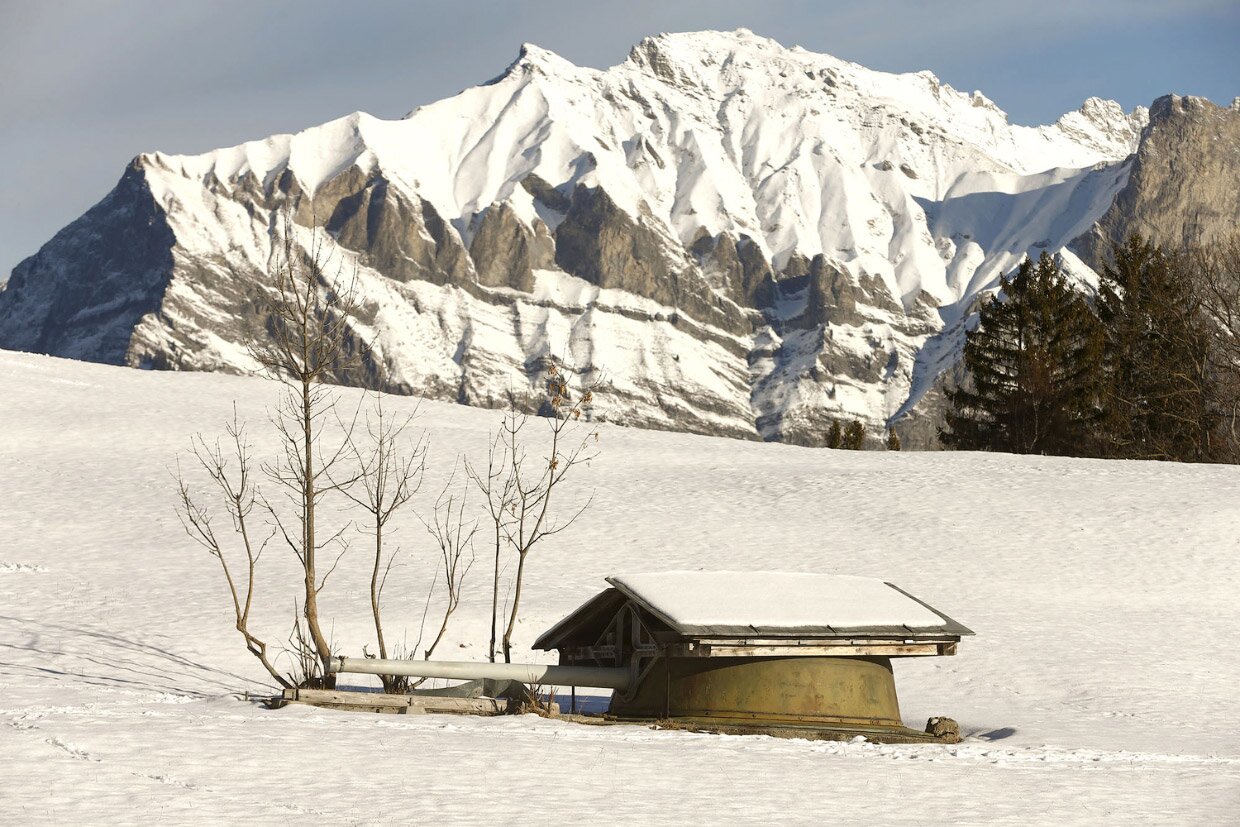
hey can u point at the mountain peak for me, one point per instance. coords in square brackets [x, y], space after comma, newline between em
[533, 57]
[696, 57]
[1172, 104]
[765, 193]
[533, 53]
[707, 41]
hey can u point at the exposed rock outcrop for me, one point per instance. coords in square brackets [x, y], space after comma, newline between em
[604, 245]
[84, 292]
[832, 295]
[506, 251]
[736, 268]
[402, 237]
[1184, 187]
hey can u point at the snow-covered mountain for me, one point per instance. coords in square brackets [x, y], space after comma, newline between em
[736, 237]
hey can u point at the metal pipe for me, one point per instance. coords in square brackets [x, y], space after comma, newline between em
[606, 677]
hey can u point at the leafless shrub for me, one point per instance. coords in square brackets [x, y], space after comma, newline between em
[387, 473]
[454, 535]
[497, 485]
[538, 700]
[231, 472]
[306, 344]
[520, 489]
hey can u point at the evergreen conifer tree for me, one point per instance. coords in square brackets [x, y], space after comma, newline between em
[1034, 363]
[1158, 355]
[854, 437]
[893, 440]
[835, 436]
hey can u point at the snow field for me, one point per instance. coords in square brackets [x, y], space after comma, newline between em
[1099, 687]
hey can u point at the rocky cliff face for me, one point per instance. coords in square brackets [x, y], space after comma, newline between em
[1184, 187]
[82, 295]
[733, 237]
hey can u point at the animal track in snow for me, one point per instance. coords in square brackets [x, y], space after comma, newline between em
[72, 750]
[20, 568]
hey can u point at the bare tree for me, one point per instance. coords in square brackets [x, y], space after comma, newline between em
[308, 340]
[236, 487]
[454, 535]
[497, 485]
[535, 481]
[386, 477]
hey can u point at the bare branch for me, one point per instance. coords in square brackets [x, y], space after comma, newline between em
[308, 340]
[531, 491]
[454, 535]
[239, 496]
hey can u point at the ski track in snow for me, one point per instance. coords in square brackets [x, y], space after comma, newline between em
[1099, 688]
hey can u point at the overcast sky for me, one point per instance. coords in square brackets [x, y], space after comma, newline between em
[87, 84]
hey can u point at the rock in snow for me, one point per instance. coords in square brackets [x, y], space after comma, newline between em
[734, 237]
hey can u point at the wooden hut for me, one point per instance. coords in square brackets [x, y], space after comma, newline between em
[759, 651]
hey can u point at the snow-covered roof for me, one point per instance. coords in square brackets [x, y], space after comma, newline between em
[775, 600]
[767, 604]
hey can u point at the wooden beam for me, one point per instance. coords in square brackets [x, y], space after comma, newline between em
[397, 704]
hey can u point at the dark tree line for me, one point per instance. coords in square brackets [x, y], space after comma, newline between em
[852, 437]
[848, 438]
[1146, 370]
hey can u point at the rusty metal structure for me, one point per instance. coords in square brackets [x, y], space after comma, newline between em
[822, 671]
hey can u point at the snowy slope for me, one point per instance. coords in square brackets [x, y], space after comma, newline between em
[712, 130]
[1098, 689]
[777, 234]
[727, 132]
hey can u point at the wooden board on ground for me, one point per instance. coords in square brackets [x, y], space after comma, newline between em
[395, 704]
